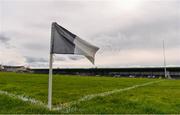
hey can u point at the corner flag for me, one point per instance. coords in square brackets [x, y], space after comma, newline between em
[65, 42]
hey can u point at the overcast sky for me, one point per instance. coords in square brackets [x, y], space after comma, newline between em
[128, 32]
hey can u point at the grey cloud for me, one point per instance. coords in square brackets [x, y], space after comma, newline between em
[36, 62]
[66, 57]
[60, 58]
[147, 31]
[31, 60]
[4, 39]
[75, 57]
[39, 65]
[35, 46]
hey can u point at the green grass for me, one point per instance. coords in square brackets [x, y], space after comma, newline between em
[157, 98]
[162, 97]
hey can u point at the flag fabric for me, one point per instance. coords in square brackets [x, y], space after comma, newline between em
[65, 42]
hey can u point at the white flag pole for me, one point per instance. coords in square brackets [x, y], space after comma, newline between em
[164, 55]
[50, 83]
[50, 71]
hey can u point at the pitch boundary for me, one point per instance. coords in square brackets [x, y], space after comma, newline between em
[23, 98]
[67, 106]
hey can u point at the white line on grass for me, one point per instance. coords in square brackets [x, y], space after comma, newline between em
[23, 98]
[67, 106]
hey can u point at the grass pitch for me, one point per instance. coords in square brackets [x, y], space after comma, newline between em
[160, 97]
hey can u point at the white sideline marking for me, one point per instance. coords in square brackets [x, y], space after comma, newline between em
[23, 98]
[67, 106]
[89, 97]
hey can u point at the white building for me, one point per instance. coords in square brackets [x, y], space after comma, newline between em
[1, 68]
[14, 68]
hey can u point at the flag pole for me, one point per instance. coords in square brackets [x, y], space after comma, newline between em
[164, 55]
[50, 71]
[50, 83]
